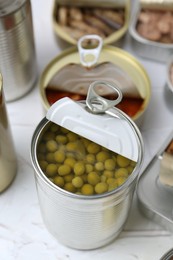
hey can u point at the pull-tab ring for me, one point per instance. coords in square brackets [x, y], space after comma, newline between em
[93, 53]
[96, 103]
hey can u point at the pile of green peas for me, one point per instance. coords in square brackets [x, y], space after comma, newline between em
[79, 165]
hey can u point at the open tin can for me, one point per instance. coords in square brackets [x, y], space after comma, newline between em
[155, 202]
[83, 219]
[83, 65]
[151, 29]
[108, 19]
[8, 161]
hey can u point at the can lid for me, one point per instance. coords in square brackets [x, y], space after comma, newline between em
[111, 130]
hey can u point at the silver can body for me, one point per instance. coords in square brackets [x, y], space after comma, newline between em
[17, 50]
[83, 222]
[8, 162]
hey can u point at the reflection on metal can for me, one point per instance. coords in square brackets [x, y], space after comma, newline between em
[17, 51]
[8, 164]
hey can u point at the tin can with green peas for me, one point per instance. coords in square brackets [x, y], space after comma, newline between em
[87, 156]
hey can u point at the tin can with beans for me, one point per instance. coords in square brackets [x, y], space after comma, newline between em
[78, 151]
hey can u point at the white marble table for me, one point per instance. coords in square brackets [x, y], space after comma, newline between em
[23, 235]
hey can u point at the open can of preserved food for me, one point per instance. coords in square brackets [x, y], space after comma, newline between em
[84, 64]
[151, 29]
[87, 156]
[74, 19]
[8, 162]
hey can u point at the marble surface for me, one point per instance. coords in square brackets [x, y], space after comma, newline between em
[23, 235]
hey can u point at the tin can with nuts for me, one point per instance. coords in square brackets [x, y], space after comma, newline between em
[8, 162]
[92, 214]
[17, 50]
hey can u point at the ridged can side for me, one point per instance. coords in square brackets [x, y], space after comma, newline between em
[17, 50]
[8, 161]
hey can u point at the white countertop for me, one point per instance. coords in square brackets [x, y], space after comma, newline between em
[23, 235]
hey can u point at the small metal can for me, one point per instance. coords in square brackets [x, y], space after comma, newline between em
[88, 221]
[152, 42]
[17, 50]
[8, 162]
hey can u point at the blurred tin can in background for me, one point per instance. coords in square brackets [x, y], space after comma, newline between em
[17, 50]
[8, 162]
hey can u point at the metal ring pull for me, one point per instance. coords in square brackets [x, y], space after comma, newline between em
[96, 103]
[92, 52]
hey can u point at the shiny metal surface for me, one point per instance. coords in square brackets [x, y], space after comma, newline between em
[8, 162]
[85, 222]
[17, 50]
[148, 49]
[168, 255]
[155, 198]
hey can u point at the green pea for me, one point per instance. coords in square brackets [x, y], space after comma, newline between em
[90, 158]
[69, 187]
[59, 156]
[64, 170]
[93, 178]
[77, 182]
[102, 156]
[122, 161]
[79, 168]
[93, 148]
[99, 166]
[50, 157]
[89, 168]
[43, 165]
[121, 172]
[87, 189]
[68, 178]
[72, 136]
[110, 164]
[121, 180]
[51, 169]
[61, 139]
[108, 174]
[51, 146]
[59, 181]
[101, 187]
[70, 161]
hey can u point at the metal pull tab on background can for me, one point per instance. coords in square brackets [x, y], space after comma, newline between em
[103, 104]
[89, 57]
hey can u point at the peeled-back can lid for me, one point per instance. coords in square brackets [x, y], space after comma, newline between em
[112, 129]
